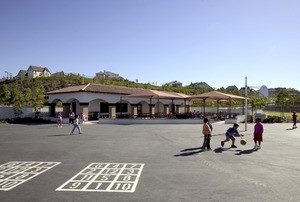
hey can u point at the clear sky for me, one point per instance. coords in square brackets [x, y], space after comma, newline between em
[219, 42]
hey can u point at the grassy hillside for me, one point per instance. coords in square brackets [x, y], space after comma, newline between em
[53, 83]
[32, 91]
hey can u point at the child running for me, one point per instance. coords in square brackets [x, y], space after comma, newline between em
[230, 135]
[258, 133]
[76, 125]
[207, 134]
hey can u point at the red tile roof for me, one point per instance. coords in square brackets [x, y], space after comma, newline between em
[98, 88]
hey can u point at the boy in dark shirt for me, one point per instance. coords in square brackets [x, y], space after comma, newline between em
[230, 135]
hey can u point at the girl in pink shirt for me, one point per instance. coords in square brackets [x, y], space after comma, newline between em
[59, 120]
[258, 133]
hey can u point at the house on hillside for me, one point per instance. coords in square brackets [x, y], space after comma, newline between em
[202, 85]
[60, 74]
[232, 88]
[21, 74]
[173, 84]
[108, 75]
[35, 71]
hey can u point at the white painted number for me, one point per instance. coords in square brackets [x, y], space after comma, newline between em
[87, 177]
[131, 165]
[123, 187]
[115, 165]
[7, 184]
[99, 185]
[104, 178]
[127, 178]
[111, 171]
[75, 185]
[131, 171]
[98, 165]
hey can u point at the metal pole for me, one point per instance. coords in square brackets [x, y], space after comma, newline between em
[204, 108]
[246, 103]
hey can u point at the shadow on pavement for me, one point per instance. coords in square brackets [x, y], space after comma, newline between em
[189, 151]
[57, 135]
[249, 151]
[219, 134]
[221, 149]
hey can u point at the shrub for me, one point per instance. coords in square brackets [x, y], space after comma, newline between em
[275, 119]
[3, 121]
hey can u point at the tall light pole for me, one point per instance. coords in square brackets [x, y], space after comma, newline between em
[246, 103]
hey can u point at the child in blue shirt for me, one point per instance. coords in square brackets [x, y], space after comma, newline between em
[230, 135]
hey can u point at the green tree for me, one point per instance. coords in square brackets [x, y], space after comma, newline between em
[5, 95]
[257, 101]
[38, 98]
[27, 97]
[17, 100]
[297, 100]
[284, 98]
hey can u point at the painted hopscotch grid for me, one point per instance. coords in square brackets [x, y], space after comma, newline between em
[105, 177]
[15, 173]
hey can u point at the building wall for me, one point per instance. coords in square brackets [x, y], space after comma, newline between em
[47, 74]
[86, 97]
[34, 74]
[7, 113]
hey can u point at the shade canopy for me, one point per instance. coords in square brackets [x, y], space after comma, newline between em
[183, 96]
[216, 95]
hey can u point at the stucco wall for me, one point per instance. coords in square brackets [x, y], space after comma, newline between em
[86, 97]
[7, 113]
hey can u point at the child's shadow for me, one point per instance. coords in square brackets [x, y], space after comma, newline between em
[248, 151]
[189, 151]
[221, 149]
[57, 135]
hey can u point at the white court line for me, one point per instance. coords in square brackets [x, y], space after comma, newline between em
[73, 178]
[10, 183]
[114, 170]
[137, 178]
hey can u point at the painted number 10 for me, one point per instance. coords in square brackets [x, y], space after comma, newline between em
[123, 186]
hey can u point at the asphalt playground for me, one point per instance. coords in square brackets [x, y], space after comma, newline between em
[146, 162]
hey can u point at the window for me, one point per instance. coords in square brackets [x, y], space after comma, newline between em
[121, 107]
[104, 107]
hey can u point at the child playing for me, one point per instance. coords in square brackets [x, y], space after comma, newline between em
[59, 120]
[229, 135]
[258, 133]
[82, 118]
[76, 125]
[207, 134]
[294, 117]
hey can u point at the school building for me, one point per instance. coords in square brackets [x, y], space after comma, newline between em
[104, 101]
